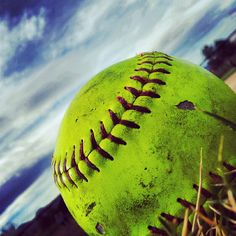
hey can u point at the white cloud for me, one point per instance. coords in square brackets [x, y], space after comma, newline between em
[225, 4]
[25, 206]
[122, 28]
[28, 28]
[33, 109]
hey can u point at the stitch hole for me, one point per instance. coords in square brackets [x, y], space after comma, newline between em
[186, 105]
[99, 228]
[90, 208]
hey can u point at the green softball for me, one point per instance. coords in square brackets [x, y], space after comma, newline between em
[128, 148]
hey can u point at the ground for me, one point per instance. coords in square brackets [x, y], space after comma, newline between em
[231, 81]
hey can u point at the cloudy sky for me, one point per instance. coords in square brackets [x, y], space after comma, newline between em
[49, 49]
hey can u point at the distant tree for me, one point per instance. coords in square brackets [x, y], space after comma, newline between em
[225, 47]
[220, 53]
[225, 50]
[208, 51]
[215, 63]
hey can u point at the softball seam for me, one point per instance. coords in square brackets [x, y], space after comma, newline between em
[145, 58]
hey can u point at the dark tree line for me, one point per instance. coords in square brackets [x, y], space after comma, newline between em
[222, 52]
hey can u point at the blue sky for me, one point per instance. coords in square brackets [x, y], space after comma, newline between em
[49, 49]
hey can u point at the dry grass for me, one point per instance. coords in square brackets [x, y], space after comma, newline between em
[213, 216]
[231, 81]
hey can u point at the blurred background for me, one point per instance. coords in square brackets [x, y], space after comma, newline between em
[50, 48]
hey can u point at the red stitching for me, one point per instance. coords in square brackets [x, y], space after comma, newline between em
[116, 120]
[60, 175]
[127, 123]
[114, 117]
[228, 166]
[173, 219]
[204, 192]
[216, 178]
[74, 165]
[144, 81]
[157, 57]
[138, 93]
[157, 231]
[110, 136]
[98, 148]
[81, 150]
[150, 71]
[104, 153]
[185, 203]
[155, 63]
[130, 106]
[85, 158]
[67, 174]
